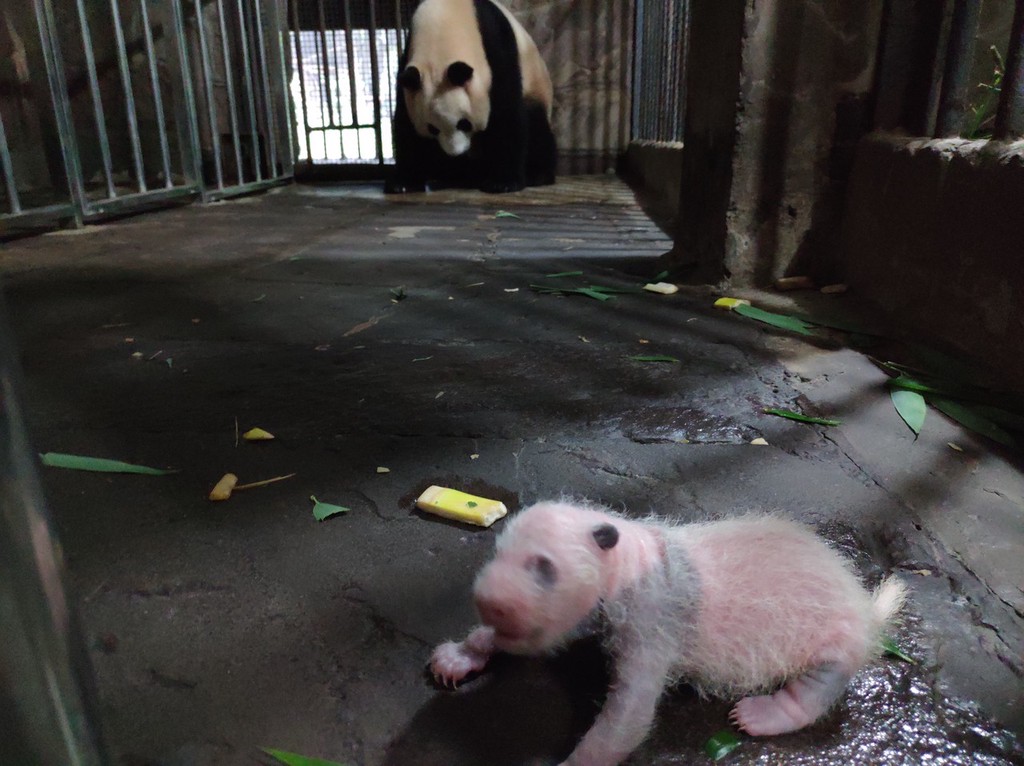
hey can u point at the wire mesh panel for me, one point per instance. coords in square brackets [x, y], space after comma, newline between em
[346, 56]
[659, 67]
[34, 186]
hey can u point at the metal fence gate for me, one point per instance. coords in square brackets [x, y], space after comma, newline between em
[111, 106]
[661, 38]
[343, 85]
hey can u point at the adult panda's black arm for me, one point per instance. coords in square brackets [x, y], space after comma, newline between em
[504, 143]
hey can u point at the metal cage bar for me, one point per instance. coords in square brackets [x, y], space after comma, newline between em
[1010, 113]
[129, 98]
[116, 79]
[165, 151]
[661, 42]
[7, 166]
[956, 75]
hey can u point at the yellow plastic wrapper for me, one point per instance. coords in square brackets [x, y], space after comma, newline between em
[460, 506]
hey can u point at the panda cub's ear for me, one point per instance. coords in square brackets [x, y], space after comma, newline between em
[459, 73]
[606, 536]
[410, 79]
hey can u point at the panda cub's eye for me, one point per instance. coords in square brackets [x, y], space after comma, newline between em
[465, 125]
[544, 570]
[432, 129]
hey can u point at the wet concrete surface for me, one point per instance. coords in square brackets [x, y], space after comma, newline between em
[216, 629]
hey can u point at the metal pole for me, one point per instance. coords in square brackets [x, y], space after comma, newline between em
[280, 33]
[8, 169]
[267, 96]
[326, 75]
[243, 34]
[956, 77]
[211, 112]
[97, 102]
[375, 79]
[165, 152]
[350, 54]
[232, 110]
[638, 57]
[54, 62]
[45, 677]
[302, 76]
[1010, 115]
[129, 96]
[188, 122]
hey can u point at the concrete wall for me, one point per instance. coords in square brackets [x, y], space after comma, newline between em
[587, 45]
[806, 74]
[934, 233]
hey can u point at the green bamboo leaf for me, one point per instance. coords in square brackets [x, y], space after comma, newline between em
[660, 276]
[911, 407]
[775, 320]
[968, 418]
[890, 647]
[293, 759]
[1005, 418]
[592, 293]
[802, 418]
[654, 358]
[721, 744]
[322, 511]
[506, 214]
[98, 464]
[565, 274]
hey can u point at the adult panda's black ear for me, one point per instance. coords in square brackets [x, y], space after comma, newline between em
[606, 536]
[410, 79]
[459, 73]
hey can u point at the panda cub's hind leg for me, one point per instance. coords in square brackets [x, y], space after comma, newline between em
[799, 703]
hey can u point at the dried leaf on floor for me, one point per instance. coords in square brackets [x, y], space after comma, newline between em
[98, 464]
[363, 326]
[323, 510]
[801, 418]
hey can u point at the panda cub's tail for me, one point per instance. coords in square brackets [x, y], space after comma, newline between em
[889, 598]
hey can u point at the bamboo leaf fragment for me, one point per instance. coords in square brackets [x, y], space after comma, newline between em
[294, 759]
[911, 407]
[801, 418]
[721, 744]
[98, 464]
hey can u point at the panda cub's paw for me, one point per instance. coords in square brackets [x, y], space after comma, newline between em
[493, 186]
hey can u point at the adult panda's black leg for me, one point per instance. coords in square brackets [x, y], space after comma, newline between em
[503, 145]
[541, 152]
[412, 168]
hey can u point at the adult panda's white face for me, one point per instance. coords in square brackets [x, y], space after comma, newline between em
[449, 110]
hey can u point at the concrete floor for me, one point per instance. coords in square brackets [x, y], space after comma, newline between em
[218, 628]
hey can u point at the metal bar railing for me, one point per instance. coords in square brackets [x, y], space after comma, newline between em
[161, 123]
[7, 166]
[953, 100]
[243, 37]
[375, 83]
[325, 73]
[1010, 113]
[129, 97]
[211, 110]
[263, 65]
[230, 87]
[297, 38]
[97, 100]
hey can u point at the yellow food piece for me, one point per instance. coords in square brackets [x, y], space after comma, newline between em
[257, 435]
[460, 506]
[222, 489]
[665, 288]
[730, 303]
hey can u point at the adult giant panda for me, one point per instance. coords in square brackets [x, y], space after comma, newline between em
[475, 105]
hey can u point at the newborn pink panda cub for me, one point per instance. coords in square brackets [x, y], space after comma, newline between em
[755, 607]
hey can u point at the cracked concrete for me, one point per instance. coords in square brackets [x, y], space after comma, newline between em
[216, 629]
